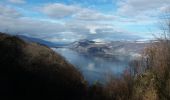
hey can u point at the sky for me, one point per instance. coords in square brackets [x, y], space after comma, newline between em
[72, 20]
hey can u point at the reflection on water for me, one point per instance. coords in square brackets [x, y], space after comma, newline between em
[93, 68]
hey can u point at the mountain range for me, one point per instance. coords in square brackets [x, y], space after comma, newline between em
[93, 48]
[40, 41]
[110, 49]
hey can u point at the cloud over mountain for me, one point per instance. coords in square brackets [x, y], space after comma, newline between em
[67, 20]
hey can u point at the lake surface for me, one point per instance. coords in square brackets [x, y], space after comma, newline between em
[94, 68]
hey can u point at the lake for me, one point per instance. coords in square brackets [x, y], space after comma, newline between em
[94, 68]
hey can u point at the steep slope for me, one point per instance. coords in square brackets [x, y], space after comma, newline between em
[30, 70]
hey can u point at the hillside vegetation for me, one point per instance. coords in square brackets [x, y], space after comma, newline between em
[32, 70]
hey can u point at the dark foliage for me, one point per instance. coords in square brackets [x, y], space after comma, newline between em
[32, 71]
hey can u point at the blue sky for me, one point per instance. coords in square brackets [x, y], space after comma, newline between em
[72, 20]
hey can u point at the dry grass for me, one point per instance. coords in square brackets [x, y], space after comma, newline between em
[159, 62]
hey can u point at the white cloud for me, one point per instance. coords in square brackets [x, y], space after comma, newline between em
[17, 1]
[54, 32]
[92, 15]
[83, 23]
[99, 40]
[12, 21]
[8, 12]
[65, 37]
[92, 29]
[141, 13]
[57, 10]
[165, 8]
[29, 26]
[139, 7]
[86, 27]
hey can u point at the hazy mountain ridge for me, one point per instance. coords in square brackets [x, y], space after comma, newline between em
[110, 49]
[113, 50]
[102, 49]
[40, 41]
